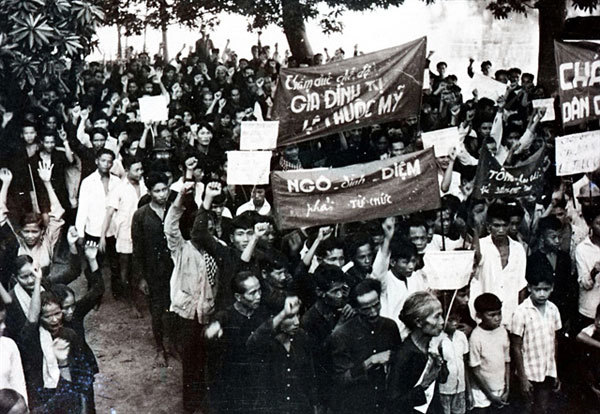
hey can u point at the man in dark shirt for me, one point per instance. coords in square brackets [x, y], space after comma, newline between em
[361, 350]
[229, 365]
[152, 264]
[321, 319]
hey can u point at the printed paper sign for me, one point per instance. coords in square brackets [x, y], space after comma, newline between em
[399, 185]
[442, 140]
[549, 105]
[577, 66]
[368, 89]
[153, 109]
[248, 167]
[487, 87]
[259, 135]
[578, 153]
[448, 270]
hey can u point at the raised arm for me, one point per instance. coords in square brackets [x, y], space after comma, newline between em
[260, 229]
[381, 263]
[6, 178]
[324, 233]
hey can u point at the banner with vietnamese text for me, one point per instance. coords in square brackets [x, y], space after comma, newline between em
[578, 67]
[493, 180]
[399, 185]
[367, 89]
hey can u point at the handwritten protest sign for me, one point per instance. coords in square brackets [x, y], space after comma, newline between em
[578, 153]
[577, 66]
[259, 135]
[442, 140]
[398, 185]
[487, 87]
[153, 109]
[494, 180]
[549, 105]
[248, 167]
[364, 90]
[448, 270]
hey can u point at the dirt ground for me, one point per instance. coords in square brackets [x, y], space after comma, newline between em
[128, 382]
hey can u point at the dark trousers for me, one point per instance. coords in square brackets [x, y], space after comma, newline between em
[160, 317]
[540, 397]
[110, 255]
[193, 361]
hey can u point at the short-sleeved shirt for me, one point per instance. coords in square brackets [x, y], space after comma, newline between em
[507, 282]
[586, 256]
[490, 350]
[124, 199]
[454, 350]
[538, 332]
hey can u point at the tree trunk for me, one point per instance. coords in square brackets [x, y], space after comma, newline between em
[164, 43]
[119, 45]
[295, 30]
[552, 15]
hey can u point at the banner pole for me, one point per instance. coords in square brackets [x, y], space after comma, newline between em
[443, 231]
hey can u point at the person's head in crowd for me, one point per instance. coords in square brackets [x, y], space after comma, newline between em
[540, 284]
[133, 168]
[330, 285]
[11, 402]
[165, 134]
[267, 240]
[477, 212]
[501, 76]
[453, 323]
[242, 229]
[235, 96]
[488, 309]
[485, 67]
[559, 210]
[483, 128]
[291, 153]
[360, 251]
[549, 229]
[66, 295]
[104, 161]
[192, 159]
[444, 218]
[516, 213]
[403, 258]
[145, 71]
[205, 134]
[491, 145]
[218, 205]
[318, 59]
[130, 147]
[169, 72]
[588, 195]
[497, 220]
[224, 120]
[514, 74]
[51, 122]
[511, 135]
[243, 64]
[274, 269]
[380, 142]
[364, 298]
[187, 117]
[25, 271]
[441, 68]
[28, 133]
[98, 137]
[157, 184]
[591, 215]
[422, 313]
[100, 120]
[527, 81]
[467, 180]
[417, 233]
[148, 87]
[258, 194]
[397, 146]
[132, 89]
[246, 291]
[331, 251]
[48, 138]
[51, 316]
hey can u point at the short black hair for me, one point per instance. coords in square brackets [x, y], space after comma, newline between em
[154, 178]
[243, 221]
[487, 302]
[364, 287]
[402, 249]
[238, 280]
[100, 131]
[539, 274]
[497, 211]
[130, 160]
[329, 245]
[105, 151]
[327, 275]
[273, 260]
[549, 223]
[356, 241]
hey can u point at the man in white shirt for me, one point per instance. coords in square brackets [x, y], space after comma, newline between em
[257, 202]
[93, 201]
[502, 266]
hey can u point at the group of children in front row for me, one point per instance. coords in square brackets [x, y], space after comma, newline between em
[528, 340]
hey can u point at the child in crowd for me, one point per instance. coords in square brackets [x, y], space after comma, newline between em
[533, 341]
[454, 350]
[489, 357]
[589, 337]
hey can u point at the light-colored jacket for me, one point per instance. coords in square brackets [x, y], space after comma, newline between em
[191, 293]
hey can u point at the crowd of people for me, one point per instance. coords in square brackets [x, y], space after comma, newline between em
[334, 319]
